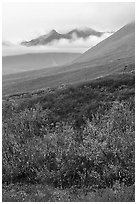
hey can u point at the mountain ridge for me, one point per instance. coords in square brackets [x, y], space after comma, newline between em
[54, 35]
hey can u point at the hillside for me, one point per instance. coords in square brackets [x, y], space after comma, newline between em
[72, 143]
[114, 54]
[35, 61]
[68, 102]
[31, 81]
[69, 132]
[119, 45]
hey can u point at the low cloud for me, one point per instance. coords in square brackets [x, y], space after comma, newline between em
[62, 45]
[6, 43]
[78, 42]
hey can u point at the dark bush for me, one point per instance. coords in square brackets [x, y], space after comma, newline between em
[104, 154]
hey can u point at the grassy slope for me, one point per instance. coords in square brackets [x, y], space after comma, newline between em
[120, 44]
[30, 81]
[35, 61]
[65, 97]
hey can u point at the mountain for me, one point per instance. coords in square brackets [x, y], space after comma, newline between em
[114, 54]
[119, 45]
[83, 33]
[54, 35]
[35, 61]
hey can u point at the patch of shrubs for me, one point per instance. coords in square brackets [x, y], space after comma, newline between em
[74, 102]
[97, 154]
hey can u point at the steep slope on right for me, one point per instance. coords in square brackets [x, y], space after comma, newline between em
[119, 45]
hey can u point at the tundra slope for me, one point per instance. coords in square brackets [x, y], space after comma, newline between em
[35, 61]
[114, 54]
[119, 45]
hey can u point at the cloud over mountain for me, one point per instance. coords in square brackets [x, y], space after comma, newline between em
[70, 37]
[76, 40]
[79, 42]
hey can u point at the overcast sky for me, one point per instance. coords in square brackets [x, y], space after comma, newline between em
[24, 21]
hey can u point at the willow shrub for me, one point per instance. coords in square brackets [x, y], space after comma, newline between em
[99, 155]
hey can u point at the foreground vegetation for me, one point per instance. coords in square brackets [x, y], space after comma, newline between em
[71, 143]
